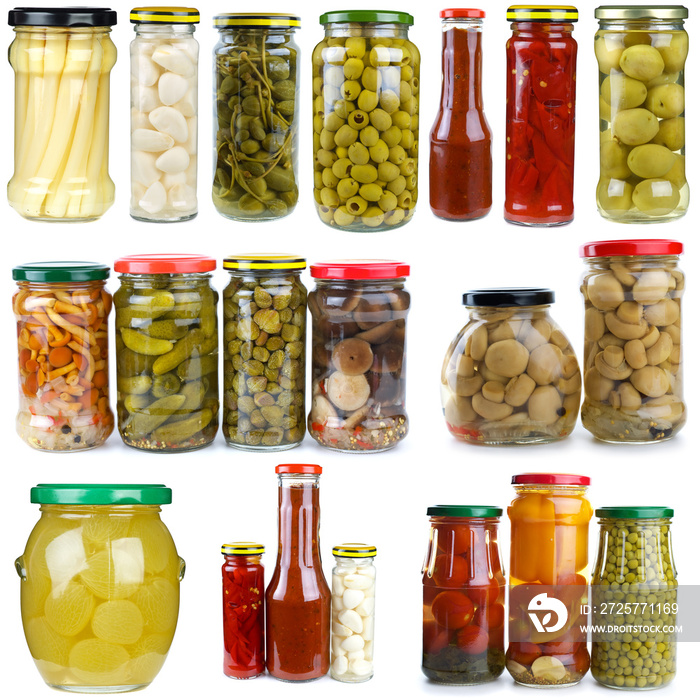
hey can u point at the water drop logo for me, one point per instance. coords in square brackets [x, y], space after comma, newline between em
[540, 610]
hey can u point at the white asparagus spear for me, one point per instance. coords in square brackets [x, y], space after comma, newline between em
[19, 59]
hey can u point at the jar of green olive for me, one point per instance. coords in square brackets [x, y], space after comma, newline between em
[264, 352]
[256, 116]
[366, 90]
[634, 601]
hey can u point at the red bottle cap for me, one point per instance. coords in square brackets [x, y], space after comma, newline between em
[298, 469]
[458, 12]
[360, 270]
[552, 479]
[164, 264]
[640, 246]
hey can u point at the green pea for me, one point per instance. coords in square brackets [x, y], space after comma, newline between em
[364, 173]
[358, 154]
[368, 100]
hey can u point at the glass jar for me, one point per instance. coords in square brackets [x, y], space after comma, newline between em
[633, 364]
[463, 596]
[100, 590]
[510, 376]
[634, 586]
[460, 142]
[352, 621]
[264, 352]
[540, 115]
[297, 599]
[61, 123]
[243, 578]
[366, 90]
[164, 65]
[167, 352]
[61, 311]
[256, 116]
[548, 574]
[358, 364]
[641, 52]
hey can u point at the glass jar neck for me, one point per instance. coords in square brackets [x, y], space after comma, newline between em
[256, 275]
[107, 509]
[367, 29]
[603, 263]
[354, 561]
[149, 31]
[243, 559]
[240, 36]
[641, 24]
[553, 29]
[57, 286]
[472, 23]
[639, 523]
[362, 285]
[551, 489]
[156, 279]
[492, 313]
[299, 521]
[88, 31]
[472, 522]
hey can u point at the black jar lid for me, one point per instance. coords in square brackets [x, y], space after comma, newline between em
[62, 17]
[509, 296]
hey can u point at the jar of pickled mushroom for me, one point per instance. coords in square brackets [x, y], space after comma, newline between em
[366, 89]
[359, 310]
[634, 602]
[641, 52]
[540, 115]
[633, 364]
[243, 577]
[264, 352]
[256, 116]
[510, 376]
[61, 311]
[548, 580]
[100, 590]
[167, 352]
[463, 596]
[164, 65]
[352, 617]
[62, 58]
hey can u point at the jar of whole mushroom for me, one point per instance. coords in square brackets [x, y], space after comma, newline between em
[633, 365]
[510, 376]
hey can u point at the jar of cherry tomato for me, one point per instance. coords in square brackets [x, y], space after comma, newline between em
[540, 114]
[463, 596]
[243, 578]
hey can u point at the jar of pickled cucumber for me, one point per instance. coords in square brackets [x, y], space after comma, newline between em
[256, 116]
[62, 58]
[100, 589]
[264, 352]
[641, 52]
[634, 599]
[633, 359]
[167, 352]
[366, 91]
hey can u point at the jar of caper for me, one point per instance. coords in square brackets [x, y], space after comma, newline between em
[366, 80]
[634, 602]
[264, 352]
[256, 116]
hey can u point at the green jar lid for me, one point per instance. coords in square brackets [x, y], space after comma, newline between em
[101, 494]
[634, 512]
[64, 271]
[466, 511]
[382, 16]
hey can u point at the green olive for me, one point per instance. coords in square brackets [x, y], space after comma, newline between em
[623, 92]
[379, 152]
[347, 187]
[329, 197]
[650, 160]
[358, 154]
[674, 52]
[353, 68]
[371, 192]
[373, 217]
[367, 100]
[398, 184]
[608, 49]
[656, 196]
[356, 205]
[371, 79]
[388, 201]
[341, 167]
[369, 136]
[358, 119]
[614, 196]
[380, 119]
[613, 160]
[345, 136]
[389, 101]
[642, 62]
[364, 173]
[355, 47]
[387, 172]
[666, 101]
[343, 217]
[635, 126]
[676, 174]
[350, 90]
[329, 179]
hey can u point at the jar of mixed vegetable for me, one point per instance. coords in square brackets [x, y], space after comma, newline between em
[167, 352]
[264, 352]
[366, 91]
[641, 52]
[62, 58]
[540, 115]
[256, 116]
[359, 310]
[463, 596]
[61, 311]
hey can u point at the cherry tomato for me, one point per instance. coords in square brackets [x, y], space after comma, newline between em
[559, 648]
[473, 640]
[523, 652]
[434, 638]
[490, 617]
[486, 594]
[450, 572]
[453, 539]
[453, 610]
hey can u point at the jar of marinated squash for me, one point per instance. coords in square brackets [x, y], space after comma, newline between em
[264, 352]
[256, 116]
[62, 58]
[100, 590]
[463, 596]
[633, 363]
[641, 52]
[359, 310]
[510, 376]
[167, 352]
[164, 66]
[634, 587]
[61, 311]
[366, 89]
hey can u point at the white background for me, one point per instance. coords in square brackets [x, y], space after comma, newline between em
[221, 494]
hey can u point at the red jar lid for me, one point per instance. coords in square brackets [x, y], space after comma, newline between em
[298, 469]
[458, 12]
[164, 264]
[552, 479]
[360, 270]
[640, 246]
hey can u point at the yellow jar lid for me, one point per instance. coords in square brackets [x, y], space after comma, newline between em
[255, 19]
[354, 550]
[542, 13]
[164, 15]
[243, 548]
[264, 262]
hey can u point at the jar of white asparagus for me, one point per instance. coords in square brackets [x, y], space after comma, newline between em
[164, 61]
[62, 58]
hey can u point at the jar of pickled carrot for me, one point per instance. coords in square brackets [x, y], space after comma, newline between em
[548, 579]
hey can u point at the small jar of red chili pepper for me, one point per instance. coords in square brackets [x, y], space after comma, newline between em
[540, 115]
[463, 596]
[460, 141]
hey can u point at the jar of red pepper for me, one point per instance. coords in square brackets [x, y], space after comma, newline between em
[243, 578]
[540, 115]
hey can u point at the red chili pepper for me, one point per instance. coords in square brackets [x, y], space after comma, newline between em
[317, 427]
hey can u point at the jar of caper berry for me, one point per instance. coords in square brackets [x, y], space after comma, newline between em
[264, 352]
[634, 601]
[366, 80]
